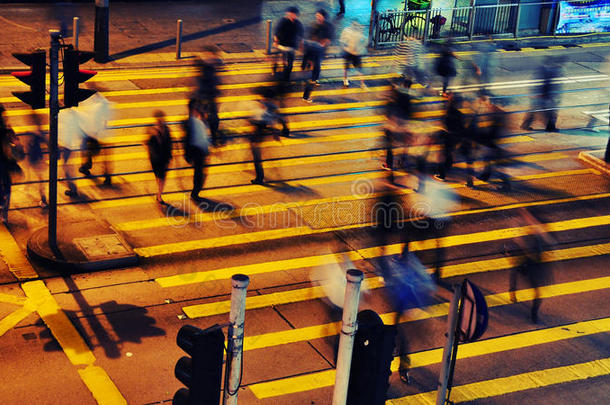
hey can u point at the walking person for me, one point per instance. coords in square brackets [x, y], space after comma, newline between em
[408, 59]
[70, 137]
[353, 44]
[263, 121]
[490, 139]
[34, 157]
[320, 38]
[607, 154]
[547, 99]
[341, 9]
[207, 92]
[445, 65]
[8, 165]
[287, 39]
[531, 266]
[159, 146]
[196, 147]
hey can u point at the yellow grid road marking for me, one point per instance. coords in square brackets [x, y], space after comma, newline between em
[11, 320]
[514, 383]
[501, 344]
[12, 299]
[73, 345]
[416, 314]
[311, 293]
[274, 234]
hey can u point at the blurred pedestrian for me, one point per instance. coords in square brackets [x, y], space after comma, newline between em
[398, 110]
[70, 137]
[456, 135]
[485, 63]
[437, 23]
[408, 59]
[489, 139]
[93, 115]
[607, 154]
[196, 146]
[445, 64]
[264, 118]
[320, 38]
[341, 9]
[159, 146]
[353, 44]
[207, 91]
[34, 156]
[531, 265]
[11, 152]
[287, 39]
[546, 98]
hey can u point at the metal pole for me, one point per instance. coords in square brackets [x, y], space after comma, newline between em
[452, 321]
[235, 339]
[471, 22]
[427, 26]
[53, 113]
[178, 38]
[348, 332]
[269, 36]
[100, 38]
[517, 20]
[75, 31]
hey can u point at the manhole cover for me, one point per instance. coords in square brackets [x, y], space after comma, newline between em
[101, 246]
[235, 47]
[228, 20]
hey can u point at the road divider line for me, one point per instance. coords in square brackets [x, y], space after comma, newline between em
[514, 383]
[311, 293]
[73, 345]
[326, 378]
[309, 333]
[11, 320]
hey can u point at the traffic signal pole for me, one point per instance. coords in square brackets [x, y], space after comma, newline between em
[235, 338]
[53, 152]
[349, 326]
[100, 37]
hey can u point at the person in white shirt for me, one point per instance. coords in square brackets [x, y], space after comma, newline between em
[353, 44]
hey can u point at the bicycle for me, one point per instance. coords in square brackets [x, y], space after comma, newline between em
[392, 28]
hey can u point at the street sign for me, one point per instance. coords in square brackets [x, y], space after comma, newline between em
[474, 316]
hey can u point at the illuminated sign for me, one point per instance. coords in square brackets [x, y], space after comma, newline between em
[583, 17]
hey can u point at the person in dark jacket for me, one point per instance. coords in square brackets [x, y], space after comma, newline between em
[159, 146]
[287, 39]
[320, 38]
[8, 165]
[196, 147]
[207, 92]
[546, 96]
[445, 65]
[34, 156]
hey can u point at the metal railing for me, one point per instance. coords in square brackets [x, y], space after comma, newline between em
[514, 20]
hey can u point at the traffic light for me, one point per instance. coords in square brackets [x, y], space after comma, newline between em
[35, 78]
[202, 372]
[73, 76]
[371, 360]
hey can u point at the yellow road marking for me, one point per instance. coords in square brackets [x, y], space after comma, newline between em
[514, 383]
[11, 254]
[501, 344]
[311, 293]
[12, 299]
[11, 320]
[268, 235]
[73, 345]
[309, 333]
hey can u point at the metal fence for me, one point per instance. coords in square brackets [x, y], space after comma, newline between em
[513, 19]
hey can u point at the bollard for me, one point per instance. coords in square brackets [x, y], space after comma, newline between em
[349, 327]
[178, 38]
[75, 31]
[269, 36]
[235, 338]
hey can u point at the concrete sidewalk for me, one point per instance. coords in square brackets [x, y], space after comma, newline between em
[144, 33]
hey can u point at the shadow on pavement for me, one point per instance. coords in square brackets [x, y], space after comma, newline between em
[185, 38]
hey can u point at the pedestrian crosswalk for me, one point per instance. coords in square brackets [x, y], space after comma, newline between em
[315, 212]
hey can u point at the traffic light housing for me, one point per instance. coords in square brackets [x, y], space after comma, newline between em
[371, 360]
[202, 372]
[73, 76]
[35, 78]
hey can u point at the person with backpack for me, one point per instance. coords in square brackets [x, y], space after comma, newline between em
[159, 145]
[196, 146]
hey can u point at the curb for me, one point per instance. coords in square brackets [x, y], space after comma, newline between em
[595, 159]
